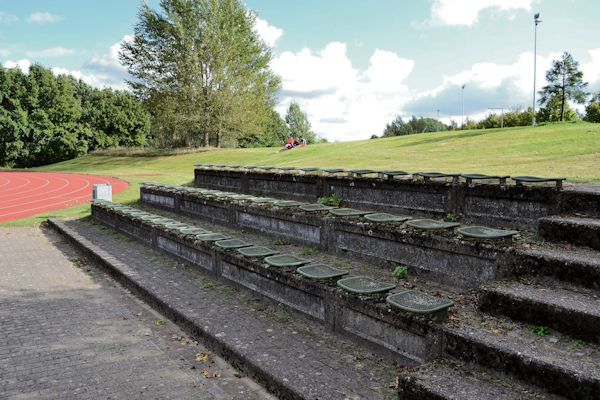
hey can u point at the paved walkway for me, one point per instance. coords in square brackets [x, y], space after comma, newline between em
[67, 331]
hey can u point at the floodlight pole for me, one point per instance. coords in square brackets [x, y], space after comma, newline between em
[536, 20]
[462, 120]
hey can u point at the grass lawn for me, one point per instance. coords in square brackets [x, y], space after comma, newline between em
[571, 150]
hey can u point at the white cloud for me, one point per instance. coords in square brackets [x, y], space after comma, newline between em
[51, 52]
[466, 12]
[491, 85]
[343, 102]
[7, 19]
[23, 65]
[268, 33]
[43, 18]
[4, 52]
[591, 70]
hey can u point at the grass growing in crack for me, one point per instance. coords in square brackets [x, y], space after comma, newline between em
[281, 318]
[281, 242]
[208, 285]
[256, 304]
[228, 291]
[540, 330]
[159, 322]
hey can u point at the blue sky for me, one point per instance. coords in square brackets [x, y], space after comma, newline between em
[352, 65]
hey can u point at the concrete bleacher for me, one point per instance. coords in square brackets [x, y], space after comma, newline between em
[493, 295]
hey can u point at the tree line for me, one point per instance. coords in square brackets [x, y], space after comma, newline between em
[46, 118]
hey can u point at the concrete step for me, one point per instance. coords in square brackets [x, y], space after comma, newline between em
[576, 265]
[579, 231]
[554, 362]
[571, 310]
[449, 379]
[292, 356]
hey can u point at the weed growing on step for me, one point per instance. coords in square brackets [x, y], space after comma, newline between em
[307, 251]
[401, 272]
[451, 217]
[577, 344]
[159, 322]
[333, 201]
[281, 242]
[540, 330]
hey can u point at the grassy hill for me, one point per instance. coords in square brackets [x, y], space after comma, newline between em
[571, 150]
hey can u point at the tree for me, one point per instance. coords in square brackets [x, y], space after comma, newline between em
[554, 111]
[274, 133]
[46, 118]
[201, 70]
[565, 82]
[298, 123]
[399, 127]
[592, 111]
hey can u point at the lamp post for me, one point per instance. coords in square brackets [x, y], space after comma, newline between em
[462, 120]
[536, 20]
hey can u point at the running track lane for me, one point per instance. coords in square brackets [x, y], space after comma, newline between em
[25, 194]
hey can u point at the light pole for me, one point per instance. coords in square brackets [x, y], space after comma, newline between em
[536, 20]
[462, 120]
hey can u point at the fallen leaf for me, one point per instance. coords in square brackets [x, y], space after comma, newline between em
[202, 357]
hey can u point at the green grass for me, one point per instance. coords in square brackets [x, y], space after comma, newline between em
[571, 150]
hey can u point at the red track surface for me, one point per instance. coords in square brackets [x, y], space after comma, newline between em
[25, 194]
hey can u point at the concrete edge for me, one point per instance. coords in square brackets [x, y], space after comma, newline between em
[238, 361]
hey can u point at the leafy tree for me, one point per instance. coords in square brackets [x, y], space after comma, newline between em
[514, 117]
[274, 133]
[592, 111]
[46, 118]
[399, 127]
[201, 70]
[554, 110]
[298, 123]
[565, 82]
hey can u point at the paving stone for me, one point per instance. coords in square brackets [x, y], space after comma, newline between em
[67, 331]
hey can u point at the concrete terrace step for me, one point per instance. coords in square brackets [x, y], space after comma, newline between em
[294, 359]
[448, 379]
[555, 363]
[518, 352]
[410, 338]
[580, 266]
[579, 231]
[573, 311]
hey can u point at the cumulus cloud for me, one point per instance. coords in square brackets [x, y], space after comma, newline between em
[591, 70]
[23, 65]
[343, 102]
[43, 18]
[487, 85]
[7, 19]
[51, 52]
[466, 12]
[106, 70]
[268, 33]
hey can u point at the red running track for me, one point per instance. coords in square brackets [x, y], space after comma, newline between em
[25, 194]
